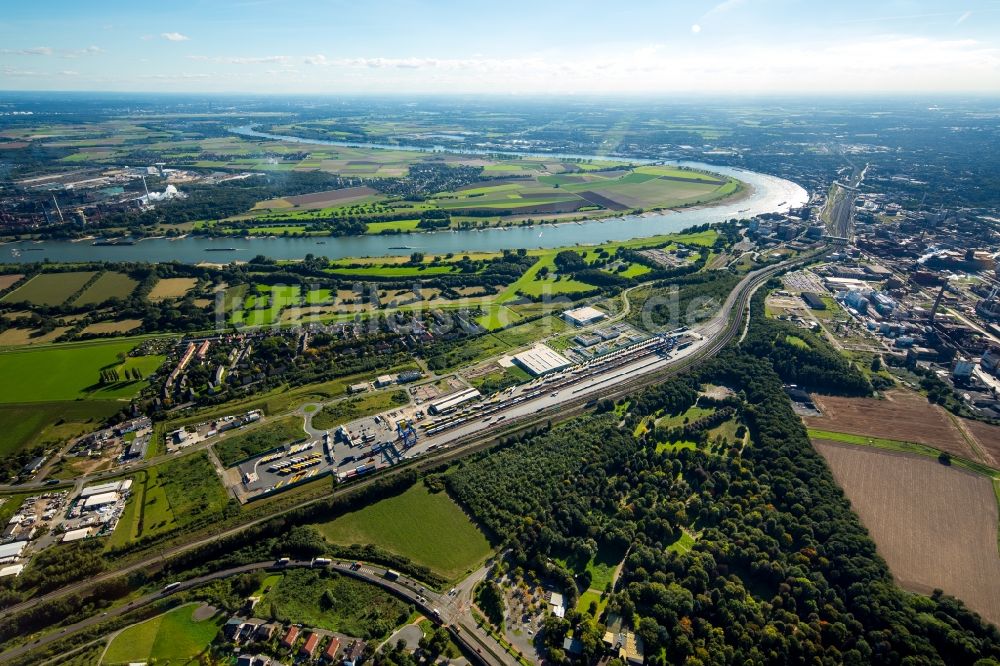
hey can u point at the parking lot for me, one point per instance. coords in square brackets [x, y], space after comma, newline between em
[361, 447]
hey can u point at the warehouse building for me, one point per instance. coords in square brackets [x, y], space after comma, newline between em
[583, 316]
[11, 570]
[541, 360]
[11, 551]
[452, 401]
[100, 489]
[76, 535]
[814, 301]
[97, 502]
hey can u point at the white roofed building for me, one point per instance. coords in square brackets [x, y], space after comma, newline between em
[11, 551]
[95, 502]
[541, 360]
[583, 316]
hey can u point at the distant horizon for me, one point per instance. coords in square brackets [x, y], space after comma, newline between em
[324, 47]
[594, 96]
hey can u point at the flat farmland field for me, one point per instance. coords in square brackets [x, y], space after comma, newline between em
[109, 285]
[936, 526]
[121, 326]
[8, 281]
[49, 288]
[69, 372]
[169, 288]
[429, 528]
[28, 424]
[331, 197]
[902, 415]
[988, 437]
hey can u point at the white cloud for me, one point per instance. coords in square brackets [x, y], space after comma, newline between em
[32, 51]
[242, 60]
[179, 76]
[905, 64]
[77, 53]
[962, 18]
[174, 37]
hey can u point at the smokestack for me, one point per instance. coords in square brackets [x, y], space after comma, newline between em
[57, 209]
[937, 302]
[145, 188]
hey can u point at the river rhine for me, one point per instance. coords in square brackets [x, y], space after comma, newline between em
[769, 194]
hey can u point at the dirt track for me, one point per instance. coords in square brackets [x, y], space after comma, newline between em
[936, 526]
[987, 435]
[902, 415]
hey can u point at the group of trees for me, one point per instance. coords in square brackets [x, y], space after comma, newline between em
[782, 569]
[113, 375]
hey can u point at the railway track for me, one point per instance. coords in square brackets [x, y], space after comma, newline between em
[732, 312]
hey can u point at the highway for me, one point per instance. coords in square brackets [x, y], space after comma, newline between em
[714, 335]
[451, 609]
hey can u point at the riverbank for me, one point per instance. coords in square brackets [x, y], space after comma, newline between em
[765, 194]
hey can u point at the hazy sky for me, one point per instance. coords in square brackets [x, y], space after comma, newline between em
[501, 46]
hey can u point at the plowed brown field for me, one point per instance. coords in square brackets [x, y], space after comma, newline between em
[936, 526]
[988, 437]
[901, 415]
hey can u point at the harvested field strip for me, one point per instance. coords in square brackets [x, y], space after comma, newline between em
[987, 435]
[901, 415]
[50, 288]
[700, 181]
[901, 447]
[936, 526]
[168, 288]
[8, 281]
[108, 285]
[330, 196]
[601, 200]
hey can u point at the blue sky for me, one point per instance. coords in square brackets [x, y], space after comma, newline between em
[505, 47]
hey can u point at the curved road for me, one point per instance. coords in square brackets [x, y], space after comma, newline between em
[452, 610]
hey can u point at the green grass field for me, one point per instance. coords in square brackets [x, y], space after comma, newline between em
[172, 638]
[319, 296]
[399, 225]
[796, 341]
[684, 544]
[342, 411]
[675, 420]
[169, 496]
[108, 285]
[49, 288]
[429, 528]
[497, 316]
[69, 372]
[325, 600]
[242, 445]
[28, 424]
[391, 270]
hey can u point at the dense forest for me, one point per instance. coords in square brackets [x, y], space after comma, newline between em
[781, 570]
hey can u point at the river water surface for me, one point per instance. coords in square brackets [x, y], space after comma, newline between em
[769, 194]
